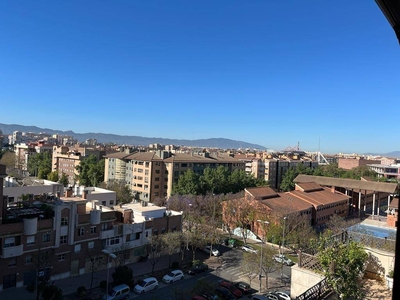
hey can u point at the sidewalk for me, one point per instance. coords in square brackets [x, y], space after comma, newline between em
[70, 284]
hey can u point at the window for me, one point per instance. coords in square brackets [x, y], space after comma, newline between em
[176, 173]
[104, 203]
[30, 240]
[157, 179]
[81, 231]
[64, 221]
[61, 257]
[11, 199]
[111, 202]
[93, 229]
[157, 171]
[63, 239]
[28, 259]
[155, 231]
[156, 194]
[156, 186]
[9, 242]
[90, 245]
[184, 165]
[46, 237]
[12, 262]
[77, 248]
[112, 241]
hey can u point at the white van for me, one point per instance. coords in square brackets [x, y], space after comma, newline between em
[118, 292]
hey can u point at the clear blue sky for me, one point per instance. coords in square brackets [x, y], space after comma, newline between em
[273, 73]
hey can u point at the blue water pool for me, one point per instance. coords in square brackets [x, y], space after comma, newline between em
[375, 231]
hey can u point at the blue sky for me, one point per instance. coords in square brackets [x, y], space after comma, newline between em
[324, 74]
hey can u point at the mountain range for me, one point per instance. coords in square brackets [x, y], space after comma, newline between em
[221, 143]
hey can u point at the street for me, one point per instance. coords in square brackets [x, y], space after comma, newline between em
[224, 267]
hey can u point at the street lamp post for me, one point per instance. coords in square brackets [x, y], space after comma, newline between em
[261, 257]
[112, 255]
[283, 237]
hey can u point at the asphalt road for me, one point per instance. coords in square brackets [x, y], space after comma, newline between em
[228, 270]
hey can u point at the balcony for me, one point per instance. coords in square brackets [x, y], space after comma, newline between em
[12, 251]
[106, 234]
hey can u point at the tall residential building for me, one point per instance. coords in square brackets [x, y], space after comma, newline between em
[150, 175]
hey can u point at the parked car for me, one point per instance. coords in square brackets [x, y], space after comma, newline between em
[282, 259]
[282, 295]
[259, 297]
[197, 297]
[248, 248]
[145, 285]
[118, 292]
[198, 268]
[271, 296]
[232, 288]
[224, 294]
[213, 250]
[243, 286]
[173, 276]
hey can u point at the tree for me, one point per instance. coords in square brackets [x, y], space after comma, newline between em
[52, 292]
[122, 190]
[90, 171]
[123, 275]
[268, 265]
[214, 181]
[343, 264]
[53, 176]
[287, 183]
[187, 184]
[248, 265]
[96, 260]
[39, 165]
[172, 242]
[8, 159]
[156, 247]
[64, 180]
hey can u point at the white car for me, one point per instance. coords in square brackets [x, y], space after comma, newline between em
[248, 248]
[280, 258]
[282, 295]
[213, 251]
[145, 285]
[173, 276]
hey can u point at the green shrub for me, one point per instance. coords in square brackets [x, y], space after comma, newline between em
[103, 284]
[81, 291]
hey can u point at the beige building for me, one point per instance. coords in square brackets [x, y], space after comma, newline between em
[66, 159]
[150, 175]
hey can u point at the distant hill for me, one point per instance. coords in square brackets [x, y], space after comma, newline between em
[133, 140]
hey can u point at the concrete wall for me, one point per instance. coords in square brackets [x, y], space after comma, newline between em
[302, 280]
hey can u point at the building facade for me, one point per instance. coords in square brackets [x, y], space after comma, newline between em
[150, 175]
[55, 237]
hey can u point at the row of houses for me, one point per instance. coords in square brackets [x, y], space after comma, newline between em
[55, 233]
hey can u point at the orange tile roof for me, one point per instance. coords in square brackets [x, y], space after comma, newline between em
[262, 192]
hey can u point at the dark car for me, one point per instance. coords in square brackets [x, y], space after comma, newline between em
[232, 288]
[224, 294]
[198, 268]
[243, 286]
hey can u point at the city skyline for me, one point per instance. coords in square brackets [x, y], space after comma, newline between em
[275, 74]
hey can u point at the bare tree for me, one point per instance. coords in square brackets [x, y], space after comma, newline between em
[249, 266]
[268, 265]
[172, 242]
[95, 259]
[156, 246]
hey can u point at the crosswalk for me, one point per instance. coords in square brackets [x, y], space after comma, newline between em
[231, 271]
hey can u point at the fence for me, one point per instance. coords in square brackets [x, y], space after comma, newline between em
[316, 292]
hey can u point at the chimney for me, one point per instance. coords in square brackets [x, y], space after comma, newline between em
[84, 194]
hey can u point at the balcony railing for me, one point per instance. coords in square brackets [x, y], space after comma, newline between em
[106, 234]
[12, 251]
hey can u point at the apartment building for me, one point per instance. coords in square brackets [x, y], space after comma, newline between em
[150, 175]
[386, 171]
[65, 159]
[57, 237]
